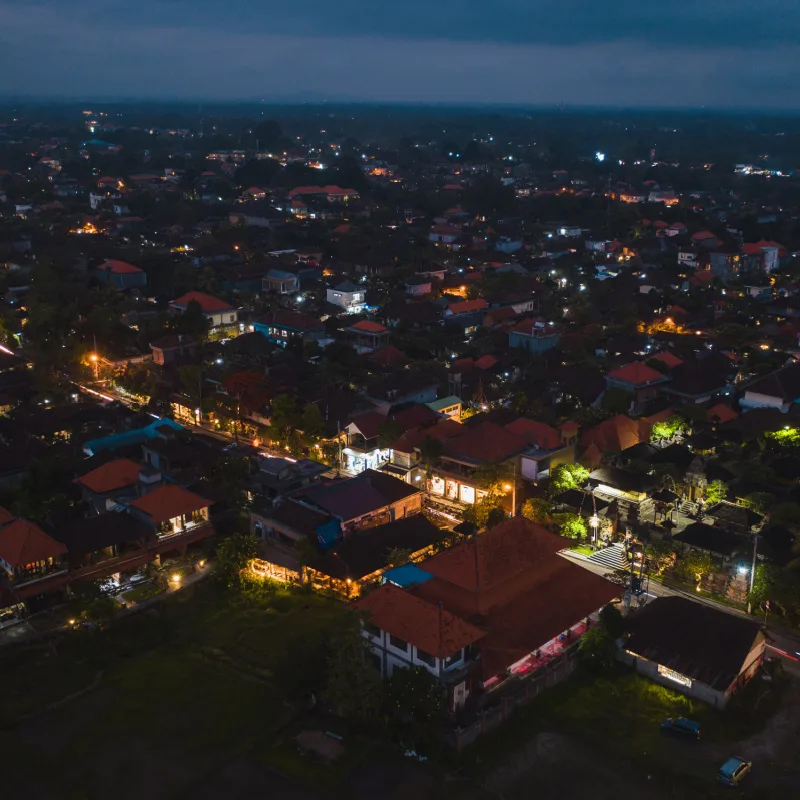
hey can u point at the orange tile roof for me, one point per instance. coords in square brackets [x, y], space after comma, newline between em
[437, 632]
[388, 356]
[23, 542]
[168, 502]
[113, 475]
[467, 306]
[636, 374]
[208, 303]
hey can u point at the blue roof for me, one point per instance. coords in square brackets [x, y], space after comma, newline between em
[138, 436]
[406, 575]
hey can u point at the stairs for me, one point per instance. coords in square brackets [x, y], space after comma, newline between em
[613, 557]
[690, 509]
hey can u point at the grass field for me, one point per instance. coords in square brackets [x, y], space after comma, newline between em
[184, 688]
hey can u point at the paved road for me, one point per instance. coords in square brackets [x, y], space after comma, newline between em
[783, 642]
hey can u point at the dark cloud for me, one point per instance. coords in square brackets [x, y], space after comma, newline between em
[238, 49]
[693, 23]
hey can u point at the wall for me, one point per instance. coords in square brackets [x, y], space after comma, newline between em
[757, 400]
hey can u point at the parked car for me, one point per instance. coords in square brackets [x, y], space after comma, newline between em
[680, 726]
[733, 770]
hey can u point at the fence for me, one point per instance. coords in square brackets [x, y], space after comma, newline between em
[530, 687]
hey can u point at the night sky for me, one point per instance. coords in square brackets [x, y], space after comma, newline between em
[679, 53]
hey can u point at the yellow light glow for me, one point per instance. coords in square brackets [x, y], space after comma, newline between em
[507, 487]
[176, 578]
[93, 357]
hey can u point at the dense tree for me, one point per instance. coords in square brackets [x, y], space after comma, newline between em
[233, 556]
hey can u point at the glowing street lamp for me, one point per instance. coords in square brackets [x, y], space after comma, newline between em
[93, 359]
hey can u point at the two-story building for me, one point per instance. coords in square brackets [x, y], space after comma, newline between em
[348, 296]
[535, 336]
[641, 382]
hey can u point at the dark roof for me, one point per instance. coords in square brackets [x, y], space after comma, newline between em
[677, 454]
[708, 537]
[368, 492]
[581, 501]
[291, 319]
[784, 384]
[695, 640]
[700, 377]
[299, 517]
[366, 551]
[87, 535]
[732, 514]
[644, 451]
[622, 479]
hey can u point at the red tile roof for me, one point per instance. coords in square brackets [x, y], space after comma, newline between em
[536, 433]
[5, 516]
[113, 475]
[484, 442]
[721, 414]
[485, 362]
[496, 555]
[668, 359]
[23, 542]
[437, 632]
[208, 303]
[442, 431]
[388, 356]
[467, 306]
[367, 326]
[703, 236]
[369, 424]
[119, 267]
[637, 374]
[168, 502]
[563, 595]
[612, 435]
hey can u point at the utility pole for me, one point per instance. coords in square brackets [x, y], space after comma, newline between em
[339, 447]
[514, 492]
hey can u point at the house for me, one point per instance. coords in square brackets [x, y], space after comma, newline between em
[362, 450]
[363, 556]
[367, 336]
[638, 380]
[289, 523]
[610, 436]
[631, 490]
[449, 407]
[116, 479]
[779, 389]
[548, 447]
[279, 281]
[348, 296]
[173, 511]
[367, 499]
[172, 348]
[120, 274]
[278, 477]
[694, 649]
[27, 554]
[453, 479]
[445, 234]
[498, 605]
[218, 312]
[419, 285]
[534, 336]
[283, 326]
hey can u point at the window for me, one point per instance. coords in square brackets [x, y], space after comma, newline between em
[375, 662]
[398, 643]
[372, 630]
[284, 334]
[426, 658]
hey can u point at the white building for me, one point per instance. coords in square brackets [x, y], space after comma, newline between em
[350, 297]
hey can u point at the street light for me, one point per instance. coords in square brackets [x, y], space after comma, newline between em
[93, 359]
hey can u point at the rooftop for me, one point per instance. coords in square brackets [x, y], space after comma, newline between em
[23, 543]
[168, 502]
[111, 476]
